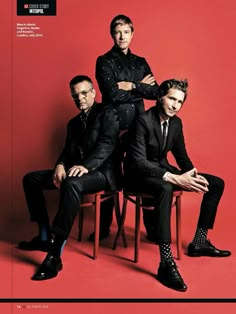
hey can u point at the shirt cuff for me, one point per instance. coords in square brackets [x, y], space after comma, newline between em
[165, 177]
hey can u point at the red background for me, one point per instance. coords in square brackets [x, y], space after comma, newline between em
[183, 39]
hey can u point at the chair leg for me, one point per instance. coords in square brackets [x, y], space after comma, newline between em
[118, 216]
[81, 223]
[178, 227]
[97, 225]
[121, 222]
[137, 229]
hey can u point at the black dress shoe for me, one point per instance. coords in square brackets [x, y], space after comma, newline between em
[49, 268]
[207, 250]
[169, 276]
[102, 235]
[36, 244]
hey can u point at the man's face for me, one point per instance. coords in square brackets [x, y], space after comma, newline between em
[122, 36]
[83, 95]
[171, 103]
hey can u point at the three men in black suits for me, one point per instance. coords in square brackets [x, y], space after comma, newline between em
[156, 132]
[87, 164]
[125, 80]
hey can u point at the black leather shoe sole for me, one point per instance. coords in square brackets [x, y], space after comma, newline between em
[44, 275]
[209, 250]
[168, 285]
[48, 269]
[209, 254]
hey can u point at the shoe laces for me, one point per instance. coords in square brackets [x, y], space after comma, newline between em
[173, 268]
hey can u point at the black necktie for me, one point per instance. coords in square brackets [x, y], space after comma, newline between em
[83, 135]
[164, 134]
[83, 118]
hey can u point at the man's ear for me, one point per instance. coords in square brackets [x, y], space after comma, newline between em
[94, 92]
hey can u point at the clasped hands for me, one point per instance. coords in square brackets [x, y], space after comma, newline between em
[60, 173]
[192, 181]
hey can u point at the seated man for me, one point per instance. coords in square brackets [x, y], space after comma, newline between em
[86, 165]
[158, 131]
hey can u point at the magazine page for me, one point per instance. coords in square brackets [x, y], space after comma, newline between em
[47, 43]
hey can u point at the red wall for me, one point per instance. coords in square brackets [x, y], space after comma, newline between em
[6, 111]
[186, 39]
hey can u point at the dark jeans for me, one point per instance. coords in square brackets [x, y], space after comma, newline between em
[158, 220]
[70, 197]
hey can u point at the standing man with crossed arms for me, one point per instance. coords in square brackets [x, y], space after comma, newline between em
[125, 80]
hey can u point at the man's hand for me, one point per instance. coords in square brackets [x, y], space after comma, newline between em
[128, 86]
[59, 175]
[125, 85]
[190, 180]
[149, 79]
[77, 171]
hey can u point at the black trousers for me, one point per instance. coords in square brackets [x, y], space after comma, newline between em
[158, 220]
[34, 183]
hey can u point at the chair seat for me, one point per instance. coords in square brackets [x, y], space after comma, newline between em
[106, 194]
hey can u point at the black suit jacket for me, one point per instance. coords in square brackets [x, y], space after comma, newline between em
[144, 153]
[95, 147]
[113, 67]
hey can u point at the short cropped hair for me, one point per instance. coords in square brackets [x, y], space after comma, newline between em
[181, 85]
[120, 20]
[80, 78]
